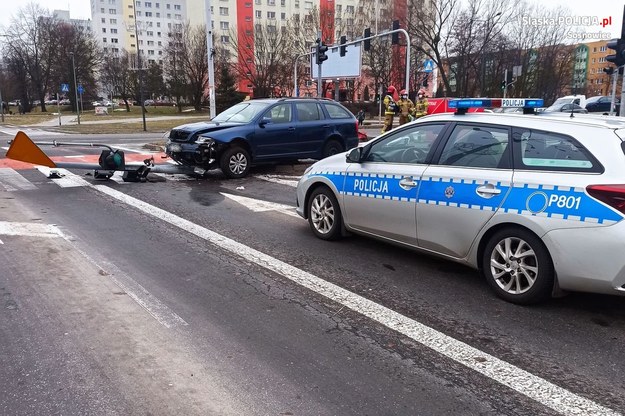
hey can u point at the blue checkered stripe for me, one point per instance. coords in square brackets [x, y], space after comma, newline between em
[549, 201]
[438, 191]
[561, 202]
[370, 185]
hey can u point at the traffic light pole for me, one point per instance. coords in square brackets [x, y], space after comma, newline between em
[319, 79]
[358, 41]
[622, 109]
[505, 77]
[613, 100]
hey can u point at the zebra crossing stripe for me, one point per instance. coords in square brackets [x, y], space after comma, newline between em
[11, 180]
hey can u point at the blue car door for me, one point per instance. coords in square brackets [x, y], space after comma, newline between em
[275, 134]
[312, 128]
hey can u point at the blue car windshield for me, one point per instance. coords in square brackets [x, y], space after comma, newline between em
[240, 113]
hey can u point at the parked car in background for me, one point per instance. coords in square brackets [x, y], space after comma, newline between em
[600, 104]
[265, 131]
[566, 108]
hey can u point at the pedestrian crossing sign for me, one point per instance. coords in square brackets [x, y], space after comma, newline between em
[64, 87]
[428, 65]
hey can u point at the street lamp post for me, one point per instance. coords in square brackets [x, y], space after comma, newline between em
[134, 10]
[75, 86]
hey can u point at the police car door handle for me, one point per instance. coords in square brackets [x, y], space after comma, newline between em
[407, 183]
[489, 190]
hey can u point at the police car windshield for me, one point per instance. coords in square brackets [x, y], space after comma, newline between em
[240, 113]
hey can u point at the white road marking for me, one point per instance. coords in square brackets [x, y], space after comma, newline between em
[530, 385]
[67, 179]
[138, 293]
[257, 205]
[30, 229]
[280, 179]
[30, 132]
[13, 181]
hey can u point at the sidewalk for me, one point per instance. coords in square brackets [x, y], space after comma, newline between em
[72, 120]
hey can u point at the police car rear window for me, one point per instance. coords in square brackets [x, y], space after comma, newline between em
[549, 151]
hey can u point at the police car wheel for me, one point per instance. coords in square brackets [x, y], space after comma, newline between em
[332, 147]
[517, 266]
[324, 214]
[235, 162]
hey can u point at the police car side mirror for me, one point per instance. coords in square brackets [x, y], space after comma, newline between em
[355, 155]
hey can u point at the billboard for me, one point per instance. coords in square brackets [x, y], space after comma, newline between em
[338, 66]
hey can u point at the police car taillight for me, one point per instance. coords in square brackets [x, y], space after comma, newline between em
[613, 195]
[527, 104]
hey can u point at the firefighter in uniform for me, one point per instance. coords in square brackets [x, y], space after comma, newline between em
[421, 105]
[390, 109]
[406, 108]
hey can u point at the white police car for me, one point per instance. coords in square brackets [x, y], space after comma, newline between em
[534, 201]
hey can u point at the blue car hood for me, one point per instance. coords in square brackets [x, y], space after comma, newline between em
[206, 126]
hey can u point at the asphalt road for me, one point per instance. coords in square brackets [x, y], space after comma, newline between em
[139, 301]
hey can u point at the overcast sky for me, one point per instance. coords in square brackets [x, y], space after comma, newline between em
[81, 9]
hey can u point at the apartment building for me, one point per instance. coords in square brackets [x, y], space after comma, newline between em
[114, 21]
[115, 26]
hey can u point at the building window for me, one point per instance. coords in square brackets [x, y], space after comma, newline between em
[102, 10]
[248, 18]
[113, 21]
[138, 3]
[223, 11]
[113, 30]
[138, 13]
[103, 30]
[350, 9]
[169, 15]
[283, 16]
[271, 15]
[258, 1]
[114, 40]
[225, 39]
[282, 3]
[271, 2]
[224, 25]
[178, 17]
[259, 14]
[158, 5]
[177, 7]
[248, 5]
[103, 40]
[603, 49]
[168, 6]
[104, 20]
[150, 33]
[148, 4]
[148, 14]
[158, 15]
[150, 52]
[308, 5]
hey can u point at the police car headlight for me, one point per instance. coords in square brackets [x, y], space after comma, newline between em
[204, 140]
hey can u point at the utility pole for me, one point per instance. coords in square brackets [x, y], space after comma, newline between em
[75, 86]
[134, 9]
[211, 61]
[505, 77]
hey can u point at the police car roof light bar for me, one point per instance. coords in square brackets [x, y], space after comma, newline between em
[527, 104]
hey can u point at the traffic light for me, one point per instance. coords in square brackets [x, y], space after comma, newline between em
[395, 36]
[367, 42]
[112, 159]
[617, 58]
[322, 48]
[503, 85]
[425, 80]
[343, 47]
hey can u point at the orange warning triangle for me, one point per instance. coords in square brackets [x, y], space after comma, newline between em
[24, 150]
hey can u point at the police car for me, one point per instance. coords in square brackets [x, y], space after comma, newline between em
[536, 202]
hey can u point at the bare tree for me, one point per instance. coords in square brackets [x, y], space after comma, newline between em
[32, 35]
[265, 58]
[116, 73]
